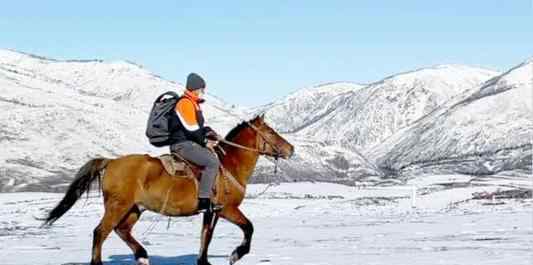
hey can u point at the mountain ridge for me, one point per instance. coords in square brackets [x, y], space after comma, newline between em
[72, 111]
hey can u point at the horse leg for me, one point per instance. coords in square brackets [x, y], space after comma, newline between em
[114, 212]
[235, 216]
[123, 230]
[208, 227]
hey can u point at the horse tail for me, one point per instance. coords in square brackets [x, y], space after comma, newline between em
[87, 174]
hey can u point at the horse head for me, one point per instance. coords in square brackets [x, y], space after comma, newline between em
[270, 142]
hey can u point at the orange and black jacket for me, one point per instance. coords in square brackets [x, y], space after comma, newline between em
[188, 121]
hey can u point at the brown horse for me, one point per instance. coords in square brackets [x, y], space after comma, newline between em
[134, 182]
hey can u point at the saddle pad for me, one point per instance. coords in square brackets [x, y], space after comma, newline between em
[175, 166]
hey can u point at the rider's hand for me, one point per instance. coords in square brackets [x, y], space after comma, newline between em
[212, 135]
[211, 144]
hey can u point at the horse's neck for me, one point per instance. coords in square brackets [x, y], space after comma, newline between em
[241, 163]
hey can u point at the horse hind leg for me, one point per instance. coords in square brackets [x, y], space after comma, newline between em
[123, 230]
[114, 212]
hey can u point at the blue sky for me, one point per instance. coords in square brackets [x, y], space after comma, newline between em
[252, 52]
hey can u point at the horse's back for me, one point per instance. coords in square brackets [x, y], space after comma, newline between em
[127, 173]
[143, 176]
[134, 162]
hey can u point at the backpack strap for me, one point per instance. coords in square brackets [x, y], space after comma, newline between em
[168, 93]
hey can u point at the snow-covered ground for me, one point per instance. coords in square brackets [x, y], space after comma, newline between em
[298, 223]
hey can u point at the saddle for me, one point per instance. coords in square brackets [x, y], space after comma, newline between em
[178, 166]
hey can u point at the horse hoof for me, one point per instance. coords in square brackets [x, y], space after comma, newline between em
[143, 261]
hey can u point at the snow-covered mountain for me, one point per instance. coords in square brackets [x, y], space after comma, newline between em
[307, 105]
[317, 161]
[373, 113]
[485, 132]
[57, 114]
[353, 119]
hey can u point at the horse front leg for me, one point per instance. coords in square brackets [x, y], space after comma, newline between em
[208, 227]
[235, 216]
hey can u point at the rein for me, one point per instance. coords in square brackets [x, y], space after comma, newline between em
[244, 147]
[277, 153]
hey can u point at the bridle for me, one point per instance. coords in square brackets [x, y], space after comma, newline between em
[277, 151]
[276, 154]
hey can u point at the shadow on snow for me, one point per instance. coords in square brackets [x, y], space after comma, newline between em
[156, 260]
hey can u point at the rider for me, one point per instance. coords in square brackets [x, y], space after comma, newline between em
[191, 139]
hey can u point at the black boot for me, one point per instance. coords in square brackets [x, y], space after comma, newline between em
[205, 205]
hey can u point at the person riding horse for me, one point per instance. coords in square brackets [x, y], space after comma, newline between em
[191, 139]
[134, 182]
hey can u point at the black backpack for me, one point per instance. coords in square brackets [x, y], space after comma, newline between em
[157, 129]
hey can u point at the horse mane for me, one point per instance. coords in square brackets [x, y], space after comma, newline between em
[233, 133]
[231, 136]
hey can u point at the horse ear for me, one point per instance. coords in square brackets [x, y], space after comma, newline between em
[260, 118]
